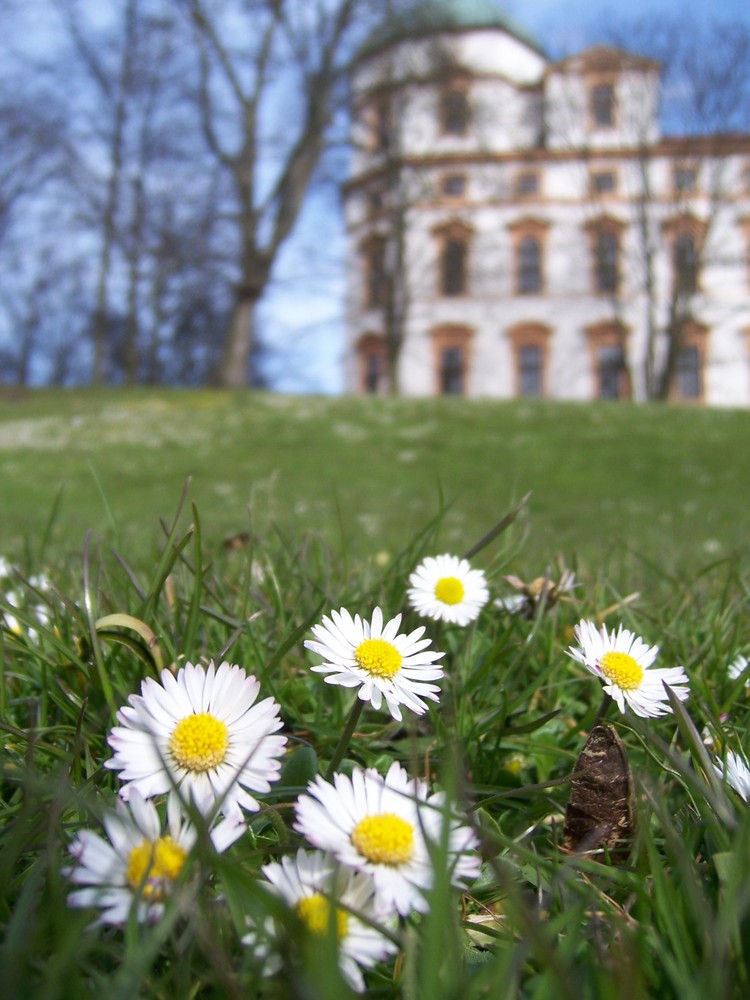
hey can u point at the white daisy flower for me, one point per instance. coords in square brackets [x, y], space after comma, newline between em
[737, 667]
[736, 773]
[140, 864]
[624, 662]
[386, 827]
[311, 885]
[378, 660]
[446, 587]
[200, 734]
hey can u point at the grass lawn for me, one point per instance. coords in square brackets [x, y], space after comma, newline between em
[513, 833]
[638, 490]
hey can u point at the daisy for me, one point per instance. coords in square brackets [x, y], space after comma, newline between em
[387, 827]
[319, 891]
[737, 667]
[140, 864]
[201, 734]
[446, 587]
[378, 660]
[736, 774]
[623, 661]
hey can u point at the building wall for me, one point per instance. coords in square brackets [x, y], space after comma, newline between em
[530, 119]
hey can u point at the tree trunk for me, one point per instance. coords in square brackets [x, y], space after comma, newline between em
[234, 368]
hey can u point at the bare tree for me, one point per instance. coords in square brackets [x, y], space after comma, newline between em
[705, 74]
[270, 72]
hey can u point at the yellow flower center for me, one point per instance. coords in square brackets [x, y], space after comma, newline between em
[449, 590]
[622, 670]
[315, 912]
[378, 657]
[385, 839]
[199, 742]
[154, 865]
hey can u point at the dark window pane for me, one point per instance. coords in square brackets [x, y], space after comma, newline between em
[452, 371]
[455, 112]
[611, 370]
[688, 373]
[604, 182]
[527, 184]
[529, 266]
[372, 373]
[530, 373]
[454, 267]
[454, 185]
[607, 253]
[376, 275]
[603, 104]
[685, 264]
[684, 179]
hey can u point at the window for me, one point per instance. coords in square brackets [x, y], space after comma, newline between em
[603, 105]
[527, 184]
[451, 345]
[686, 234]
[607, 264]
[372, 363]
[530, 370]
[381, 119]
[603, 182]
[375, 202]
[453, 280]
[609, 363]
[684, 179]
[452, 365]
[605, 237]
[529, 266]
[530, 343]
[454, 111]
[453, 258]
[689, 373]
[528, 237]
[454, 185]
[375, 272]
[687, 379]
[685, 265]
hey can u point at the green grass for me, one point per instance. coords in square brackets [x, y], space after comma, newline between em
[613, 485]
[627, 495]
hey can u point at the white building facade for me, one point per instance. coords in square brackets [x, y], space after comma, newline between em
[520, 227]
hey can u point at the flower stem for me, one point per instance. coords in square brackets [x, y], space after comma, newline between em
[606, 702]
[346, 735]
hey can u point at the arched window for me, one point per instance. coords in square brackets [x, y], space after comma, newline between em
[687, 379]
[609, 362]
[530, 342]
[686, 235]
[451, 346]
[453, 258]
[528, 236]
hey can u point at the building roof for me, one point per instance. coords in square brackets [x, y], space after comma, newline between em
[427, 17]
[601, 58]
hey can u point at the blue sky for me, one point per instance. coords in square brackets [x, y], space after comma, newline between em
[302, 315]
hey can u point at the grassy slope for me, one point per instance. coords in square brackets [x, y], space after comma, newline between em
[669, 484]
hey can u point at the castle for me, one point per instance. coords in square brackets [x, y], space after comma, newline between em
[521, 227]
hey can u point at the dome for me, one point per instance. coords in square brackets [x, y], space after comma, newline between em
[427, 17]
